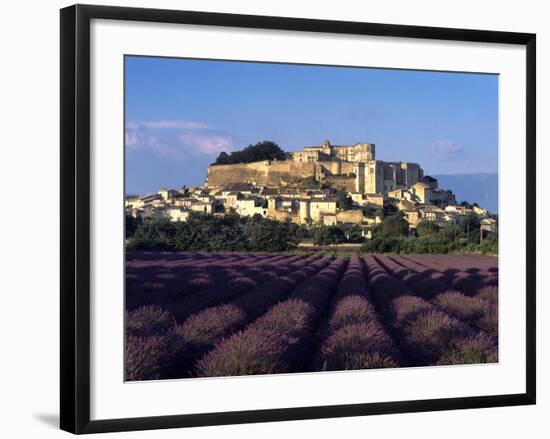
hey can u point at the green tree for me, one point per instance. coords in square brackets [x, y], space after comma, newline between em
[326, 235]
[470, 226]
[427, 228]
[352, 233]
[395, 225]
[223, 159]
[343, 200]
[155, 234]
[450, 231]
[266, 150]
[270, 235]
[368, 211]
[203, 232]
[131, 225]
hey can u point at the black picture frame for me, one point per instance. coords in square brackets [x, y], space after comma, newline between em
[75, 217]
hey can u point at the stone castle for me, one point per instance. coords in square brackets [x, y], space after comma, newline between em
[351, 167]
[275, 189]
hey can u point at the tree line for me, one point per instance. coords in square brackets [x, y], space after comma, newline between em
[203, 232]
[232, 232]
[266, 150]
[393, 235]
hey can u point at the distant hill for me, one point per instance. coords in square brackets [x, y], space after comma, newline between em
[481, 188]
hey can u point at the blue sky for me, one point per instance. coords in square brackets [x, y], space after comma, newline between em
[180, 114]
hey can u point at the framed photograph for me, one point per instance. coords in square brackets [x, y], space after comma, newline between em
[268, 219]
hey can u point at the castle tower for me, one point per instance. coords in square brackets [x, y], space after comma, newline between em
[327, 148]
[374, 177]
[304, 211]
[360, 177]
[364, 152]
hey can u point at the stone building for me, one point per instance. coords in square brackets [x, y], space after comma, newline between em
[426, 193]
[315, 210]
[250, 206]
[352, 167]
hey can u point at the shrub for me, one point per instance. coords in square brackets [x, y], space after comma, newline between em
[489, 294]
[350, 310]
[148, 320]
[384, 286]
[461, 306]
[358, 346]
[326, 235]
[254, 351]
[318, 289]
[289, 319]
[427, 228]
[149, 358]
[489, 321]
[407, 307]
[206, 327]
[395, 225]
[428, 334]
[273, 344]
[479, 348]
[288, 326]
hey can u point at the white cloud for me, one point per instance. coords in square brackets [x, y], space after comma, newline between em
[207, 143]
[447, 147]
[131, 139]
[181, 138]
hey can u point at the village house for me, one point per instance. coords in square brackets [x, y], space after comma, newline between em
[431, 213]
[413, 217]
[488, 225]
[317, 209]
[250, 206]
[178, 214]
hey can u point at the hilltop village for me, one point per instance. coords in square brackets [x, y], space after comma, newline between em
[320, 185]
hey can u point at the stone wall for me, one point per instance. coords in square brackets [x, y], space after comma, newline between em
[342, 181]
[375, 176]
[281, 172]
[220, 175]
[337, 167]
[281, 215]
[264, 173]
[350, 216]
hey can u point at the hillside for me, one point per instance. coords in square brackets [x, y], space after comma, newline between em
[481, 188]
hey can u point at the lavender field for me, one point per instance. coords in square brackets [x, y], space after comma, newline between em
[226, 314]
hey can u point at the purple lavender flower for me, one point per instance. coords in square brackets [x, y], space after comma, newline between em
[358, 346]
[149, 320]
[478, 348]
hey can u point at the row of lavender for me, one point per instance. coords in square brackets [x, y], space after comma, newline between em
[437, 316]
[187, 286]
[303, 313]
[166, 337]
